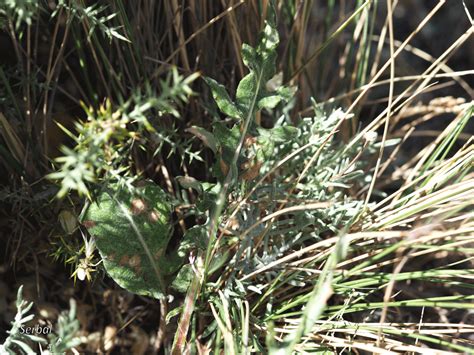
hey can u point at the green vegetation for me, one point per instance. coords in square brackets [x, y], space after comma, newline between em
[21, 336]
[132, 233]
[203, 189]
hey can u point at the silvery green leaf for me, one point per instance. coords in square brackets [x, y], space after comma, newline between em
[269, 102]
[222, 99]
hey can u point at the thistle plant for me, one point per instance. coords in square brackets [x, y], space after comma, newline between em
[266, 172]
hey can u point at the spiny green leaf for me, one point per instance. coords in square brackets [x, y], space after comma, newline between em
[223, 99]
[228, 140]
[262, 65]
[268, 138]
[249, 56]
[245, 94]
[279, 134]
[256, 91]
[269, 102]
[286, 92]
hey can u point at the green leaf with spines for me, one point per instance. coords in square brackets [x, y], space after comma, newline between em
[253, 94]
[269, 138]
[222, 99]
[279, 134]
[228, 141]
[269, 101]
